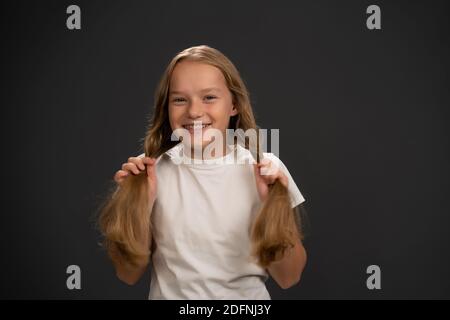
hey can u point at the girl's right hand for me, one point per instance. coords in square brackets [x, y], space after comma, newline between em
[135, 166]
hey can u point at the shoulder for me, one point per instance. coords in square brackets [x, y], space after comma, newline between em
[296, 195]
[276, 160]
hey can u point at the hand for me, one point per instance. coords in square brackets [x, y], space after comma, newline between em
[137, 165]
[266, 173]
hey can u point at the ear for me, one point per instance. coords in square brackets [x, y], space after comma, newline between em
[234, 111]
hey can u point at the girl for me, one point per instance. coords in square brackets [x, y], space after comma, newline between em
[212, 229]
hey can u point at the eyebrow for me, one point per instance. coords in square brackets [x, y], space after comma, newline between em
[203, 90]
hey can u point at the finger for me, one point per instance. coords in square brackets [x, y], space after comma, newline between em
[150, 171]
[256, 169]
[269, 179]
[120, 175]
[258, 176]
[265, 161]
[264, 170]
[269, 168]
[264, 165]
[284, 179]
[149, 161]
[130, 167]
[137, 161]
[150, 166]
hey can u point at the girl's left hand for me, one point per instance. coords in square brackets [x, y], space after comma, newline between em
[266, 173]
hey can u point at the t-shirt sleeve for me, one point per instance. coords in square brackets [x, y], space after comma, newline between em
[294, 192]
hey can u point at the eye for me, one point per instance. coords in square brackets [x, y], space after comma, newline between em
[178, 100]
[210, 98]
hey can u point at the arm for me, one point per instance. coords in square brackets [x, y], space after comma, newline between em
[287, 271]
[124, 271]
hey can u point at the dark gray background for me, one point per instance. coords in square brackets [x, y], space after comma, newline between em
[362, 116]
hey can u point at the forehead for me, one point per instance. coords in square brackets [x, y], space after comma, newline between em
[194, 76]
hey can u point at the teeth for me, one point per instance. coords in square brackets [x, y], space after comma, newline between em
[196, 127]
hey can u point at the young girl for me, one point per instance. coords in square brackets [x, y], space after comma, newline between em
[211, 229]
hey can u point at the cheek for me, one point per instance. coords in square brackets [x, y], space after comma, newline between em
[221, 114]
[174, 116]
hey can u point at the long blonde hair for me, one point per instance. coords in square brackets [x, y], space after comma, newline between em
[125, 215]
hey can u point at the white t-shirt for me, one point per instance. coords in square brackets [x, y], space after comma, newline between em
[201, 227]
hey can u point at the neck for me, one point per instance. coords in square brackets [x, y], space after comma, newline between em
[215, 153]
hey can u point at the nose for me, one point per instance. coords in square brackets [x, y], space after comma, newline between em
[195, 110]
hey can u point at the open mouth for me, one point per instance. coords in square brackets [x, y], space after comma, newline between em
[196, 126]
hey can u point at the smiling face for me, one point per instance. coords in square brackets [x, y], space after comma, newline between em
[198, 93]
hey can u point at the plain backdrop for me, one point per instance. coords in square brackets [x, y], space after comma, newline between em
[363, 118]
